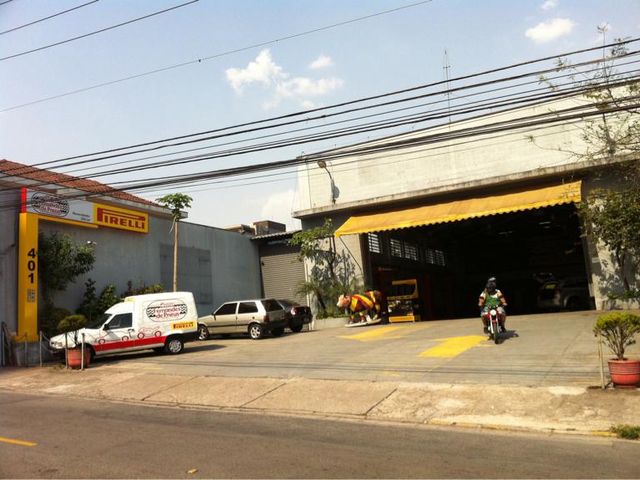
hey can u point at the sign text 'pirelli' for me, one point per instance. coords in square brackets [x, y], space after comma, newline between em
[114, 217]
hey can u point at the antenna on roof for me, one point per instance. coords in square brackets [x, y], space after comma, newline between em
[446, 67]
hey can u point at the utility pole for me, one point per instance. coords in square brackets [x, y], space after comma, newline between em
[446, 68]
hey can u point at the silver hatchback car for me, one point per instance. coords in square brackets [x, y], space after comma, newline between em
[255, 317]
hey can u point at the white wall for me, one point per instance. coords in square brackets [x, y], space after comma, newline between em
[452, 164]
[456, 165]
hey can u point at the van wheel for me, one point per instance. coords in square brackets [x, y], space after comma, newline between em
[296, 327]
[174, 345]
[255, 331]
[277, 332]
[203, 332]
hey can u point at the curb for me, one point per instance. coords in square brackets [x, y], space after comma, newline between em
[435, 422]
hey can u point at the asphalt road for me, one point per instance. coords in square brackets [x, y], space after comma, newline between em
[53, 437]
[540, 350]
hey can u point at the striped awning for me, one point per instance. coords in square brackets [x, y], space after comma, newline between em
[463, 209]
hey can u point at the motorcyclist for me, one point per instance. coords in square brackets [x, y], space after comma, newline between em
[491, 297]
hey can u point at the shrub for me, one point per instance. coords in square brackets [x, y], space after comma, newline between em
[630, 432]
[142, 289]
[618, 330]
[71, 323]
[107, 299]
[50, 319]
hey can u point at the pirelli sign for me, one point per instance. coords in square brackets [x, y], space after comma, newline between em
[83, 213]
[115, 217]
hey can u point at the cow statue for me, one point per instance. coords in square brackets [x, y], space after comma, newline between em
[362, 307]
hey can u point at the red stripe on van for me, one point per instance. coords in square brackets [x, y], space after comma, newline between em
[133, 343]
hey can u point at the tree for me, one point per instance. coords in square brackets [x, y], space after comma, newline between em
[612, 214]
[616, 132]
[61, 261]
[331, 273]
[176, 202]
[94, 305]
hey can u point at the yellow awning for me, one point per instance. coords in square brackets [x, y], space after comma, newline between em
[462, 209]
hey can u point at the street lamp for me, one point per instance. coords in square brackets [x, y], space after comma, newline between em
[323, 164]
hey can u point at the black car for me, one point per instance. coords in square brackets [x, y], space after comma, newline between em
[565, 294]
[297, 315]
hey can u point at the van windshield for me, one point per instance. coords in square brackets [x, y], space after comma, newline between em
[98, 321]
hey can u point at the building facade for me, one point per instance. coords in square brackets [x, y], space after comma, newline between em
[132, 240]
[453, 205]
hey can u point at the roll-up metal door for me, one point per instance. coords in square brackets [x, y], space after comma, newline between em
[282, 272]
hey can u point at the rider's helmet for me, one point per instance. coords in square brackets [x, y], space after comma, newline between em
[491, 285]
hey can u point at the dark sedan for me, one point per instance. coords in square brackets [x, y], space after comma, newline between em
[297, 315]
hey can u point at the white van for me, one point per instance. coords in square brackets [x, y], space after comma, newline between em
[158, 321]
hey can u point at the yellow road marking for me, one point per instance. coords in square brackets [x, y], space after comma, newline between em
[382, 333]
[373, 335]
[17, 442]
[454, 346]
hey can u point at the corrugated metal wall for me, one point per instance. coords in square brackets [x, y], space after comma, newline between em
[282, 272]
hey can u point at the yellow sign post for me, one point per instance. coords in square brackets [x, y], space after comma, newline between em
[28, 277]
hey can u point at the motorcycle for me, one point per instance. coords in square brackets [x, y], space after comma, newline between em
[493, 325]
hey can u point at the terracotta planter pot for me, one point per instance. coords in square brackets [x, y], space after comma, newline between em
[74, 358]
[625, 373]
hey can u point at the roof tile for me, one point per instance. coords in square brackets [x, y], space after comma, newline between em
[16, 169]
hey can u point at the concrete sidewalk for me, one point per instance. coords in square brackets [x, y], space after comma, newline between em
[540, 409]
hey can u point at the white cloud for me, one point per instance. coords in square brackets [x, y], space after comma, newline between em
[549, 5]
[307, 87]
[262, 70]
[278, 207]
[323, 61]
[308, 104]
[547, 31]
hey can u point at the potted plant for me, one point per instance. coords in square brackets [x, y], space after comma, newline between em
[619, 330]
[70, 326]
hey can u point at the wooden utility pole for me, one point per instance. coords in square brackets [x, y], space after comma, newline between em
[175, 257]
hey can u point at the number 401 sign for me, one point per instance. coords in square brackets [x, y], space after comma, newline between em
[32, 265]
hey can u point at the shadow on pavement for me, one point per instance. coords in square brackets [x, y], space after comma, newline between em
[189, 349]
[508, 335]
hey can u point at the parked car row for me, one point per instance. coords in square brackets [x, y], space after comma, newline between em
[255, 317]
[165, 321]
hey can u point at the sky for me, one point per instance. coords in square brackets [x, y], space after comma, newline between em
[246, 75]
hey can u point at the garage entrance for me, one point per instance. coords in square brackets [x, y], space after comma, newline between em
[522, 237]
[453, 261]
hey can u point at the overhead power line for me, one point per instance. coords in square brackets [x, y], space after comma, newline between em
[354, 164]
[378, 114]
[488, 104]
[516, 100]
[474, 131]
[58, 162]
[26, 52]
[214, 56]
[506, 105]
[47, 18]
[568, 115]
[512, 102]
[224, 132]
